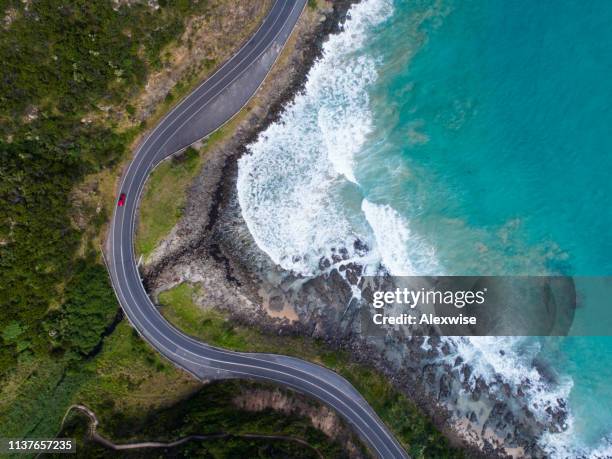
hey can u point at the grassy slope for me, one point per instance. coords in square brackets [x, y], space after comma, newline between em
[164, 198]
[138, 396]
[411, 426]
[211, 410]
[125, 378]
[165, 194]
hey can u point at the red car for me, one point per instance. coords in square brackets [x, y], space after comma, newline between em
[121, 201]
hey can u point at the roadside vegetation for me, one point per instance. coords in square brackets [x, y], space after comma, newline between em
[69, 74]
[210, 411]
[65, 66]
[139, 396]
[124, 378]
[163, 199]
[418, 435]
[73, 103]
[165, 193]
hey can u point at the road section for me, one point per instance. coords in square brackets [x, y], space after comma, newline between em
[209, 106]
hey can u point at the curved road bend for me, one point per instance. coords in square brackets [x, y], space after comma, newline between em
[210, 105]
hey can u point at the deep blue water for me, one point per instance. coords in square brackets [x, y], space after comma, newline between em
[516, 102]
[456, 137]
[501, 120]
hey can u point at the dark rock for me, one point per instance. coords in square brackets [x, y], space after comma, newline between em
[360, 247]
[445, 387]
[324, 263]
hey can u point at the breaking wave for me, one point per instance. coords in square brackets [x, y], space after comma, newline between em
[401, 252]
[290, 182]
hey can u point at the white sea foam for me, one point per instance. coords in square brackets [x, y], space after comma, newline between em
[401, 252]
[288, 184]
[566, 445]
[604, 450]
[512, 359]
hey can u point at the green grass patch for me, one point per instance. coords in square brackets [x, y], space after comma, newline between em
[131, 379]
[137, 396]
[410, 425]
[37, 407]
[126, 377]
[164, 198]
[208, 324]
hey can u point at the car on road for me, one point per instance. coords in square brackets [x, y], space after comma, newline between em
[121, 200]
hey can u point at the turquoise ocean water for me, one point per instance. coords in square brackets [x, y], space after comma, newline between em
[457, 137]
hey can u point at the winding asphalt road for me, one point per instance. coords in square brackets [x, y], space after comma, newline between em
[210, 105]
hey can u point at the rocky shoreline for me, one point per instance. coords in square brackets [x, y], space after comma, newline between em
[212, 246]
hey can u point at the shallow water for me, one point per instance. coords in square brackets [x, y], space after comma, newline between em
[456, 138]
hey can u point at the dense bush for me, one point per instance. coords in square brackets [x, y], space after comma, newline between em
[88, 308]
[62, 61]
